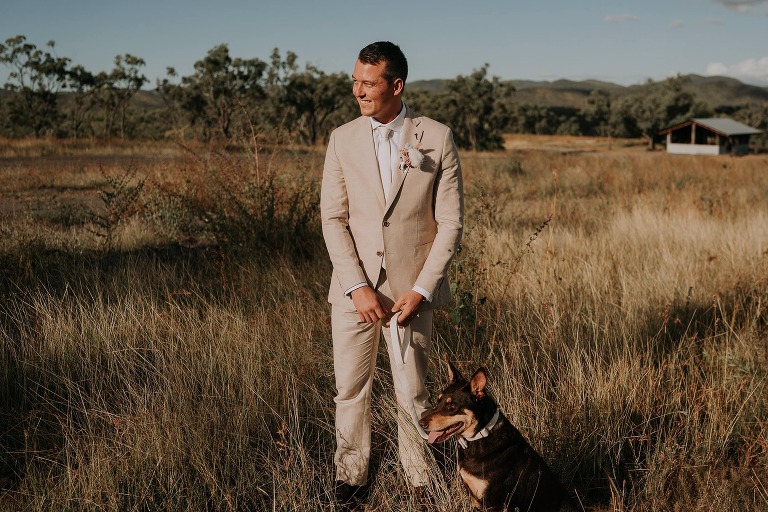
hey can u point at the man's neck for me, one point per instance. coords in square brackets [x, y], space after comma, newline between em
[392, 116]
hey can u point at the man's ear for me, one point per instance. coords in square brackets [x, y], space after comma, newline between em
[398, 85]
[453, 373]
[477, 384]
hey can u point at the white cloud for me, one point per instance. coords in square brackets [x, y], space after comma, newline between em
[716, 69]
[715, 21]
[677, 24]
[749, 69]
[744, 5]
[620, 18]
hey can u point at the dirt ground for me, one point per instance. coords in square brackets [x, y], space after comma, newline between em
[573, 144]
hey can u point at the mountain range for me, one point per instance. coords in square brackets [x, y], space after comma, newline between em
[716, 91]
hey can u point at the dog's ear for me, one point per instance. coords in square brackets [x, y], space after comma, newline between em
[477, 384]
[453, 373]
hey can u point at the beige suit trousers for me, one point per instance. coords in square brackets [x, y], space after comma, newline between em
[355, 347]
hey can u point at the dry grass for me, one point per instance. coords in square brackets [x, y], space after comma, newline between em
[165, 340]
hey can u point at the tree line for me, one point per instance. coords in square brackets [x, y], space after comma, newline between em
[227, 97]
[224, 97]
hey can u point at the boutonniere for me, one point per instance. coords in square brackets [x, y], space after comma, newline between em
[411, 157]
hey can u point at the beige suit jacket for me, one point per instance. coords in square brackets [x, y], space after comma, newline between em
[417, 230]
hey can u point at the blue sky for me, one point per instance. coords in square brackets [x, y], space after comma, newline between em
[612, 40]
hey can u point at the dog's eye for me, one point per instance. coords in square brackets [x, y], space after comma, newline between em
[450, 406]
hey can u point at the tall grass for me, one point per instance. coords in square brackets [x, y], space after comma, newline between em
[617, 298]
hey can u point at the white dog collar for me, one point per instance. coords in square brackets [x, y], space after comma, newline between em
[484, 432]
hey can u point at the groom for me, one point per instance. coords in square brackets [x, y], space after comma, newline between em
[392, 223]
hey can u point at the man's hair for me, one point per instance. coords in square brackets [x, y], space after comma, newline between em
[396, 63]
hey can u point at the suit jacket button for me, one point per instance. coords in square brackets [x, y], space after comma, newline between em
[379, 253]
[386, 223]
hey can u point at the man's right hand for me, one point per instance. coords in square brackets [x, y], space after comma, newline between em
[367, 305]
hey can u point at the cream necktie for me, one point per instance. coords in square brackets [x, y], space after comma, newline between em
[384, 156]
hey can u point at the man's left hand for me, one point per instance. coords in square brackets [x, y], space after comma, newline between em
[408, 304]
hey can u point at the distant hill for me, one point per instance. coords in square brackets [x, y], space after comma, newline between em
[716, 91]
[559, 93]
[148, 100]
[566, 85]
[436, 85]
[720, 90]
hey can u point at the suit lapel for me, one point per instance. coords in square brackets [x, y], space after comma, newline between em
[370, 167]
[410, 131]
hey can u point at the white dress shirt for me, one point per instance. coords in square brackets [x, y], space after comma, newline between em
[396, 125]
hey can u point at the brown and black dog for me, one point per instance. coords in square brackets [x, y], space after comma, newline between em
[499, 468]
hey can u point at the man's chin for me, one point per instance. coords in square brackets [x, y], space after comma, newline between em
[366, 109]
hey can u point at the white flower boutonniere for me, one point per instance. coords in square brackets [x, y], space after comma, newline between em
[411, 157]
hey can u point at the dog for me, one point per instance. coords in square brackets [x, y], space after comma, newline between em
[501, 471]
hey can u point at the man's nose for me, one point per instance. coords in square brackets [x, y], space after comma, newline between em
[357, 89]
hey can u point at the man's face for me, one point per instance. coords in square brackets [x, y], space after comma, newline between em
[377, 98]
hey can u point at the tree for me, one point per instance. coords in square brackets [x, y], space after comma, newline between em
[622, 121]
[538, 119]
[317, 102]
[755, 115]
[598, 113]
[477, 109]
[36, 78]
[174, 96]
[219, 93]
[82, 83]
[115, 90]
[272, 115]
[225, 93]
[668, 103]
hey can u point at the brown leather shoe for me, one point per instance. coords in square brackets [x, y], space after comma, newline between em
[349, 497]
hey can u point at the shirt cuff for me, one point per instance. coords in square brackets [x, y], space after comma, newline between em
[358, 285]
[424, 292]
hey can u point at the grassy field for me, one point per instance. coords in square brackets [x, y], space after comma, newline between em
[165, 339]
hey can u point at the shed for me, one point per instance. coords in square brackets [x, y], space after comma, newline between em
[709, 136]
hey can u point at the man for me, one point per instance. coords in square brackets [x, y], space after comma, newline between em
[392, 220]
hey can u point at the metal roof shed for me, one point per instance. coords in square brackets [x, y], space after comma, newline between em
[709, 136]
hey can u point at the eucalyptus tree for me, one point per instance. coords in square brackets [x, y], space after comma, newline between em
[317, 102]
[477, 109]
[82, 85]
[755, 115]
[597, 113]
[35, 79]
[114, 91]
[272, 118]
[220, 93]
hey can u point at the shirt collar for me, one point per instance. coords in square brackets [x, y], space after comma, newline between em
[395, 125]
